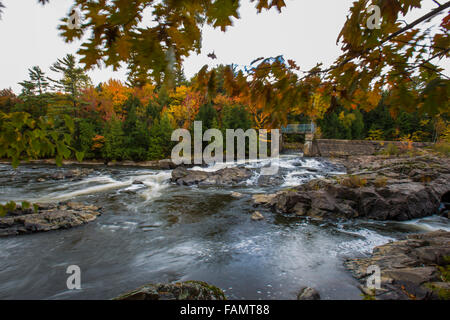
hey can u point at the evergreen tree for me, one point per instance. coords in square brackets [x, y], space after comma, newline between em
[38, 83]
[207, 115]
[358, 126]
[34, 97]
[137, 138]
[114, 140]
[73, 79]
[236, 117]
[160, 139]
[86, 131]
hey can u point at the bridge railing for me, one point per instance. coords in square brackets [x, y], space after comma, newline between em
[299, 128]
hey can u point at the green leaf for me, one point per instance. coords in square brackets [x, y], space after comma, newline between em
[2, 210]
[11, 206]
[25, 205]
[79, 155]
[69, 123]
[58, 160]
[15, 162]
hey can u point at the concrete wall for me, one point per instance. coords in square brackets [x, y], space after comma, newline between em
[329, 147]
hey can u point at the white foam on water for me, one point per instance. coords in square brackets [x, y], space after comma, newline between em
[253, 180]
[105, 183]
[155, 184]
[126, 225]
[134, 187]
[429, 224]
[250, 164]
[293, 178]
[212, 168]
[367, 241]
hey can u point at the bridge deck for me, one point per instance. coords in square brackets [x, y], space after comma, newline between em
[298, 128]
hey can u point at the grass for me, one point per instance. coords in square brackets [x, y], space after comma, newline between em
[444, 274]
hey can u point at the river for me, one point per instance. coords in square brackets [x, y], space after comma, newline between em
[160, 232]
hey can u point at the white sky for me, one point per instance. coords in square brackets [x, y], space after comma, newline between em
[306, 31]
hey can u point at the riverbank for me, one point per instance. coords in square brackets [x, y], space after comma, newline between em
[165, 164]
[416, 268]
[375, 187]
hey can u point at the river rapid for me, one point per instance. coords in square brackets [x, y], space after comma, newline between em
[153, 231]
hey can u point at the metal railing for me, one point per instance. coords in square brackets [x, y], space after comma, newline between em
[299, 128]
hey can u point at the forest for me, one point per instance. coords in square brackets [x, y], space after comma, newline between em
[119, 121]
[387, 84]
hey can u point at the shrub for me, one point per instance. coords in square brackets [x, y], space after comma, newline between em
[380, 182]
[442, 148]
[354, 182]
[392, 150]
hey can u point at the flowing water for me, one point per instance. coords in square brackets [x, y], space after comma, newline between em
[160, 232]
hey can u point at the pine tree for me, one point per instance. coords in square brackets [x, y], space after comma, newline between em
[72, 79]
[114, 140]
[38, 83]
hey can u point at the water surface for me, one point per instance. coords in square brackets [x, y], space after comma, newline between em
[160, 232]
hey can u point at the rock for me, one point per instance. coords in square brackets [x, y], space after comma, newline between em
[263, 199]
[50, 217]
[270, 180]
[137, 182]
[308, 293]
[70, 174]
[166, 164]
[369, 193]
[183, 176]
[227, 176]
[189, 290]
[301, 209]
[257, 216]
[237, 195]
[408, 267]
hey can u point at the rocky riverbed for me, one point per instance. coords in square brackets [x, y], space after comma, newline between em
[227, 225]
[416, 268]
[376, 188]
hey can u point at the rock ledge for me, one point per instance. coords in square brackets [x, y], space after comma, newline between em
[189, 290]
[48, 217]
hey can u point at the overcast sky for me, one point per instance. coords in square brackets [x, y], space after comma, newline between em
[305, 31]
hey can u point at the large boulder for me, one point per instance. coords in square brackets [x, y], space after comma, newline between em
[308, 293]
[47, 218]
[189, 290]
[410, 269]
[227, 176]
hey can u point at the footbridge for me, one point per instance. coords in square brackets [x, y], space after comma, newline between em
[306, 129]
